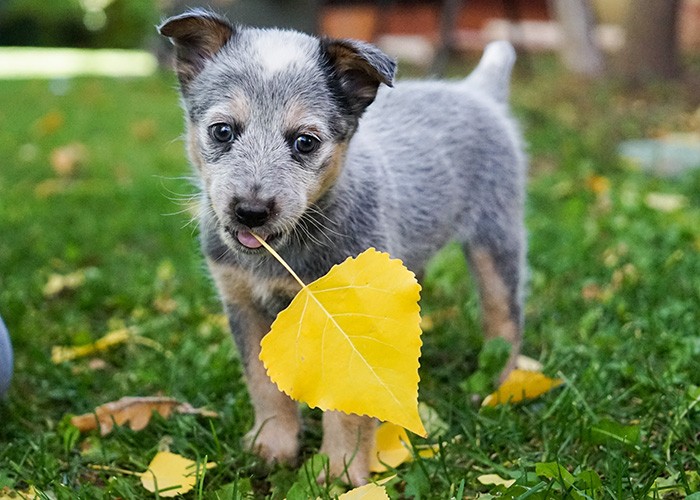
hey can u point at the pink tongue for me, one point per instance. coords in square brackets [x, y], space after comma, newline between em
[248, 240]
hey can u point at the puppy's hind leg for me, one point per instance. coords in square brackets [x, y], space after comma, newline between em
[497, 258]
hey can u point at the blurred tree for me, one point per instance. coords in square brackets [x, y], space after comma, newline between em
[651, 46]
[77, 23]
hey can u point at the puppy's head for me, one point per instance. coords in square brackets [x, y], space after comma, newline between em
[269, 116]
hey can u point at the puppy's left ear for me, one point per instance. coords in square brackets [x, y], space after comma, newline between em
[197, 35]
[359, 68]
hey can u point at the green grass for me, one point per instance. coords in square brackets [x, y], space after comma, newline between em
[613, 306]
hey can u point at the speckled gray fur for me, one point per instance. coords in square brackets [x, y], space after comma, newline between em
[405, 171]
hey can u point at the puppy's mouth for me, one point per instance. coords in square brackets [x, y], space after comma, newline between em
[246, 239]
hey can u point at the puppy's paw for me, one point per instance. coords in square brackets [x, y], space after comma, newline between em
[273, 442]
[353, 470]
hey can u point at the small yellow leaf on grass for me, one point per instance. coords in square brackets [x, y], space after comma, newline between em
[350, 341]
[521, 385]
[495, 479]
[366, 492]
[171, 474]
[136, 411]
[31, 494]
[60, 354]
[391, 447]
[59, 283]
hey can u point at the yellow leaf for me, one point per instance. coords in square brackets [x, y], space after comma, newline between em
[521, 385]
[136, 411]
[391, 448]
[171, 474]
[59, 283]
[366, 492]
[31, 494]
[350, 341]
[60, 354]
[495, 479]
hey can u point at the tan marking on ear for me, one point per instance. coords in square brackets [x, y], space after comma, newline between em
[329, 175]
[495, 300]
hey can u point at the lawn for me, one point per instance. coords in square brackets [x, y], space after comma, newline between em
[94, 186]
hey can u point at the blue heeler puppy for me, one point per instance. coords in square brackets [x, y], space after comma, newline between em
[302, 141]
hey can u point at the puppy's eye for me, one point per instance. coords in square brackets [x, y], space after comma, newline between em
[221, 132]
[306, 144]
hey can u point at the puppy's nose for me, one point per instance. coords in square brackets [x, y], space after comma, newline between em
[252, 214]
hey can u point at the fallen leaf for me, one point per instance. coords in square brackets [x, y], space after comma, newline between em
[391, 448]
[665, 202]
[136, 411]
[496, 480]
[367, 492]
[61, 354]
[434, 424]
[521, 385]
[350, 341]
[66, 160]
[49, 123]
[171, 474]
[30, 494]
[59, 283]
[598, 184]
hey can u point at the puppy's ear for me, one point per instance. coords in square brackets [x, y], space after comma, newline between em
[197, 35]
[359, 68]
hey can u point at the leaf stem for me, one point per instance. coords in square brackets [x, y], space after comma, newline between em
[279, 259]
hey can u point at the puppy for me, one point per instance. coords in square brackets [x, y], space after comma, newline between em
[302, 141]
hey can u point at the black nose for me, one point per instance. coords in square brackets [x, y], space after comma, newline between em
[251, 214]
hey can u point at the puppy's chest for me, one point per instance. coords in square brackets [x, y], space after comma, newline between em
[271, 296]
[242, 288]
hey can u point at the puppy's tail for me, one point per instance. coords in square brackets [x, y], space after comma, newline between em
[492, 74]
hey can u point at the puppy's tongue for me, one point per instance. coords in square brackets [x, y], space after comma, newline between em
[248, 240]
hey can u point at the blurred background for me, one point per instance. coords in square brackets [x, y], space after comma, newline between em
[647, 37]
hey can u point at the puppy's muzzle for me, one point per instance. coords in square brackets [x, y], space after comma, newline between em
[254, 213]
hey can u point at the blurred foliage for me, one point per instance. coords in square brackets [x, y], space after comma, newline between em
[77, 23]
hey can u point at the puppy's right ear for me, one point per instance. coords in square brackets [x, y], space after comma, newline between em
[197, 35]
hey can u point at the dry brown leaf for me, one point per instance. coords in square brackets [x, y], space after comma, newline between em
[66, 160]
[136, 411]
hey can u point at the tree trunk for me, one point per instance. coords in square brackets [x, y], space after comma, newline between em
[579, 51]
[651, 46]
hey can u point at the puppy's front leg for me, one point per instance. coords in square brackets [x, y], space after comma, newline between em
[275, 433]
[348, 441]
